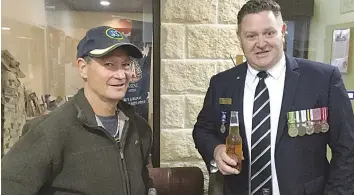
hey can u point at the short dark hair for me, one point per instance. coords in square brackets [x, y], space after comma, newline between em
[256, 6]
[87, 59]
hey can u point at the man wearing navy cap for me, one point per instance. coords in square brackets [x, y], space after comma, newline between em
[94, 143]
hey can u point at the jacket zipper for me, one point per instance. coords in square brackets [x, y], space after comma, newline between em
[120, 145]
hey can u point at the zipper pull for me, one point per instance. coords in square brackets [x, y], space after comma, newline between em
[121, 154]
[120, 149]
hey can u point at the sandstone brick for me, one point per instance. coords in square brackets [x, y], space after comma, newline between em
[212, 41]
[193, 106]
[186, 11]
[172, 41]
[178, 145]
[172, 111]
[228, 10]
[186, 76]
[199, 164]
[224, 65]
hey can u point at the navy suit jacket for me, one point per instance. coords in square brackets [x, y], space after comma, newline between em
[301, 163]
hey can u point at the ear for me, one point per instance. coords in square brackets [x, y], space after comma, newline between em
[284, 31]
[82, 66]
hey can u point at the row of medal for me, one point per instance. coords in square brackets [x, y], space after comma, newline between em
[307, 122]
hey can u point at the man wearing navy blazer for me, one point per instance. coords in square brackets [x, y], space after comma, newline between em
[290, 109]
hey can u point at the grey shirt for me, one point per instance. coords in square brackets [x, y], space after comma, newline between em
[110, 123]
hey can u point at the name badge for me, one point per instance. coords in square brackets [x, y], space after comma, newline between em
[225, 101]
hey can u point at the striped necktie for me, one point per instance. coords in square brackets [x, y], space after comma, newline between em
[261, 175]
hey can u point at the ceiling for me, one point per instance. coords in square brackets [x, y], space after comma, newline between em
[119, 6]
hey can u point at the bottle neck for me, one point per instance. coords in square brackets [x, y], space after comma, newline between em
[234, 130]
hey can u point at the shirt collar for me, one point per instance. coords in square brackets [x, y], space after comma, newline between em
[121, 116]
[274, 72]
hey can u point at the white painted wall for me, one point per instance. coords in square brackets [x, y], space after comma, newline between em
[29, 19]
[327, 12]
[26, 11]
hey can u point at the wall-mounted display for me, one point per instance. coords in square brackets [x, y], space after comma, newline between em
[340, 49]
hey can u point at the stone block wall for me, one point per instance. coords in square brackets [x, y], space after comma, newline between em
[197, 39]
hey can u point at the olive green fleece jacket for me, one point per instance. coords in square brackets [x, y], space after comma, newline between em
[66, 152]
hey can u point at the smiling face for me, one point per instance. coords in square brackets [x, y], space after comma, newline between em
[107, 77]
[262, 38]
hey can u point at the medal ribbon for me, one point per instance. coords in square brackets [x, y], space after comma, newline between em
[297, 117]
[303, 116]
[324, 113]
[309, 114]
[223, 117]
[291, 117]
[317, 114]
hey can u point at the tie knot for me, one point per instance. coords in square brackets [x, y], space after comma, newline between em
[262, 74]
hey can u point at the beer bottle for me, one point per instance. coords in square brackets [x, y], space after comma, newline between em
[234, 140]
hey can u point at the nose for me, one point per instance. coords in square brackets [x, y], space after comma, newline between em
[261, 42]
[120, 74]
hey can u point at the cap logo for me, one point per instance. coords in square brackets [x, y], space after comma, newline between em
[114, 34]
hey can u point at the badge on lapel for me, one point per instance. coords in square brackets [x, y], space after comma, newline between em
[223, 122]
[225, 101]
[307, 122]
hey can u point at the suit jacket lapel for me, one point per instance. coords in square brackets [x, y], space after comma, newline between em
[290, 86]
[238, 86]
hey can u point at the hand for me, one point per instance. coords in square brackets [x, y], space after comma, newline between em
[224, 162]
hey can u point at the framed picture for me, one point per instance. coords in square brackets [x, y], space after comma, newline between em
[340, 49]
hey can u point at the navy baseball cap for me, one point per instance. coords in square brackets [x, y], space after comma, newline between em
[101, 40]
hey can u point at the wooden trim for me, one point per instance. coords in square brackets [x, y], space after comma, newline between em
[155, 152]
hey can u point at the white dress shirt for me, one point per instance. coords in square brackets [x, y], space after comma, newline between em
[275, 84]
